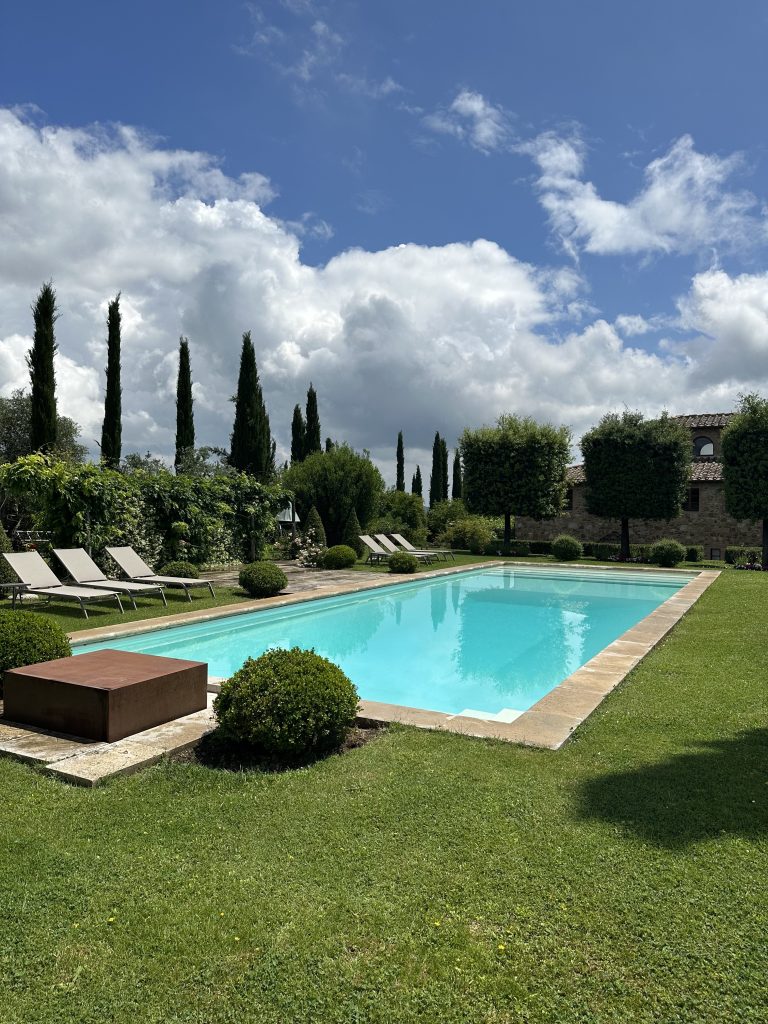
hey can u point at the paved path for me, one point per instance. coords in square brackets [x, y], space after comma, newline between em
[301, 579]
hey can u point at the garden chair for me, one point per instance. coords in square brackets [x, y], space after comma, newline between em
[393, 549]
[437, 552]
[137, 570]
[39, 579]
[82, 568]
[376, 552]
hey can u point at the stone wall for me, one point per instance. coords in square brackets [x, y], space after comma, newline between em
[711, 526]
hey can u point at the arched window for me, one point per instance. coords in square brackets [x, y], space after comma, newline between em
[703, 446]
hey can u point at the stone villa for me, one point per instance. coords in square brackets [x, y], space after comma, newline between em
[704, 520]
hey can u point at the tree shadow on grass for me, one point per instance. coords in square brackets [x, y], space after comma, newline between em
[719, 789]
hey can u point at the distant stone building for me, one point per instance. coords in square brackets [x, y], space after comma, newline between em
[704, 519]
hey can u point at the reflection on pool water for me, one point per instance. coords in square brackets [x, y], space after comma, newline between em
[492, 640]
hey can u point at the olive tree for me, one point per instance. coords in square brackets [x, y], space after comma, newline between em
[745, 464]
[515, 468]
[636, 469]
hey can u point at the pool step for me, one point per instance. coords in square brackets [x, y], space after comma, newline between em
[505, 715]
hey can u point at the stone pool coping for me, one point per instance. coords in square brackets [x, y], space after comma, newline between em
[547, 724]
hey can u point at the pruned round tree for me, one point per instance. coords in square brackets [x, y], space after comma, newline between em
[745, 464]
[636, 469]
[515, 468]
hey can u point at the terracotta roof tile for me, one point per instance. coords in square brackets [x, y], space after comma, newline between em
[704, 469]
[705, 419]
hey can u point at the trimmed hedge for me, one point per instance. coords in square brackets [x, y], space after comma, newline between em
[519, 548]
[694, 553]
[566, 548]
[667, 553]
[289, 704]
[262, 579]
[341, 556]
[27, 639]
[180, 568]
[538, 547]
[740, 555]
[402, 562]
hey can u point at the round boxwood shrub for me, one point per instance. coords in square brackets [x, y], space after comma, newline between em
[401, 561]
[287, 704]
[27, 639]
[262, 579]
[339, 557]
[179, 568]
[667, 553]
[566, 548]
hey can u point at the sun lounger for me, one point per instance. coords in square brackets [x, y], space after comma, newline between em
[136, 569]
[376, 552]
[40, 580]
[437, 552]
[82, 568]
[393, 549]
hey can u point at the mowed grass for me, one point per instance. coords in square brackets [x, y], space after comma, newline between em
[423, 877]
[71, 619]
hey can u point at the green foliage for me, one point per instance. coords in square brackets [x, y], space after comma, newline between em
[472, 532]
[16, 431]
[745, 464]
[179, 568]
[287, 704]
[636, 468]
[667, 553]
[515, 468]
[438, 481]
[251, 448]
[313, 527]
[7, 575]
[339, 557]
[539, 547]
[694, 553]
[402, 562]
[400, 512]
[336, 482]
[185, 420]
[27, 639]
[40, 359]
[351, 535]
[112, 427]
[456, 486]
[566, 548]
[262, 579]
[738, 554]
[417, 486]
[312, 435]
[442, 515]
[298, 435]
[400, 459]
[227, 516]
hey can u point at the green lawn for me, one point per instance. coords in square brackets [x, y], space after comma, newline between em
[70, 618]
[424, 877]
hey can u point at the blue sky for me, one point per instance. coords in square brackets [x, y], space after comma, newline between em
[616, 151]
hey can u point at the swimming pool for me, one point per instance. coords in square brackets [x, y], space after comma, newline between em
[490, 642]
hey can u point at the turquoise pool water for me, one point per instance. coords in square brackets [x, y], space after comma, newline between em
[492, 641]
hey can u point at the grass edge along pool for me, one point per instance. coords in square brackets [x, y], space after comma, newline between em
[487, 643]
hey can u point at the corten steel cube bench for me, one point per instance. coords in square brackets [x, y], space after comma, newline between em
[105, 695]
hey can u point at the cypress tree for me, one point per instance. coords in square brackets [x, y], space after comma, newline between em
[312, 443]
[329, 445]
[298, 435]
[41, 370]
[315, 524]
[416, 485]
[456, 488]
[112, 427]
[443, 470]
[185, 422]
[436, 476]
[351, 535]
[251, 448]
[400, 484]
